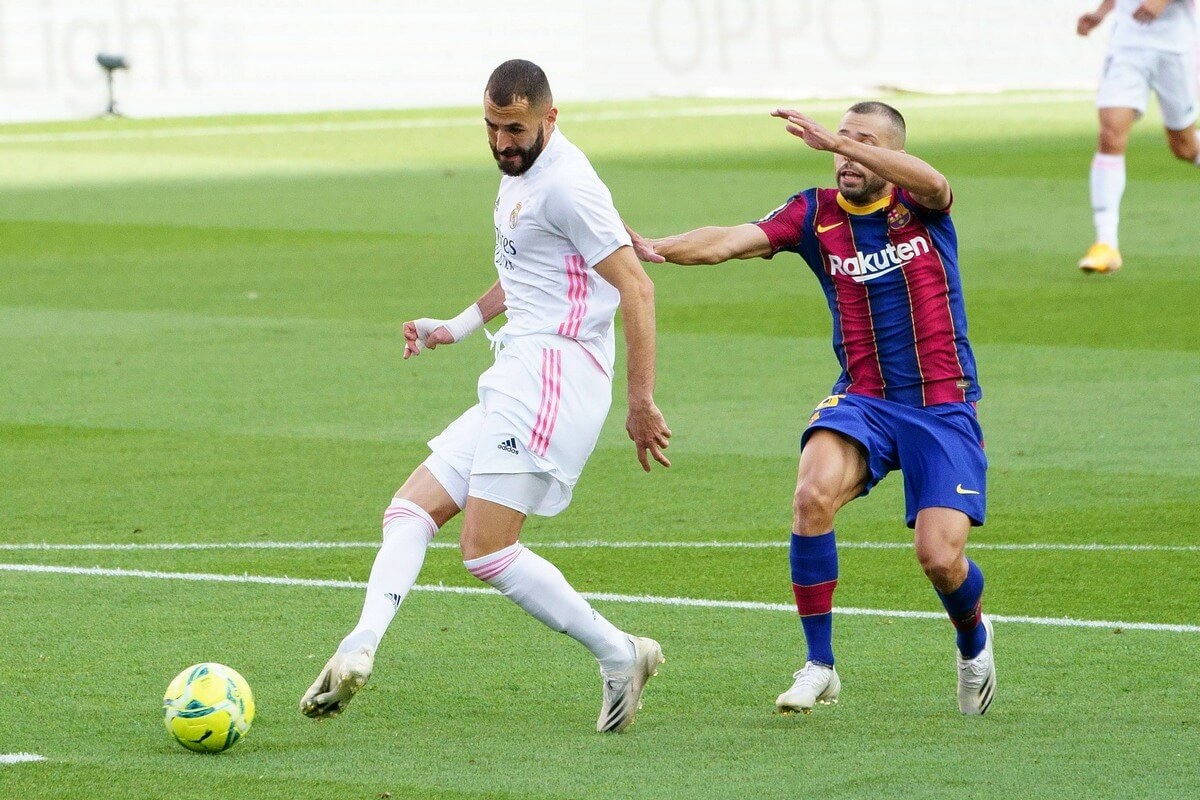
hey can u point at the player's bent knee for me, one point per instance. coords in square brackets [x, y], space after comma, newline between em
[942, 565]
[473, 546]
[496, 509]
[477, 542]
[1113, 141]
[813, 507]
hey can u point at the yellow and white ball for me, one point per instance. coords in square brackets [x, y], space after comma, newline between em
[208, 708]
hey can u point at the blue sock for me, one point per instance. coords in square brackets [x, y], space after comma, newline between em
[963, 607]
[814, 577]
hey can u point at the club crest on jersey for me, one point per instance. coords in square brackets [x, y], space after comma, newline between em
[899, 217]
[512, 218]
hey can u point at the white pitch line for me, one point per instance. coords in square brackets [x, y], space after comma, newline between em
[600, 544]
[20, 758]
[350, 126]
[689, 602]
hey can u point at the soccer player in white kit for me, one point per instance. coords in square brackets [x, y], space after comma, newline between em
[1153, 47]
[565, 265]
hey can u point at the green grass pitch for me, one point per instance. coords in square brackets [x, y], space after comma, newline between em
[199, 343]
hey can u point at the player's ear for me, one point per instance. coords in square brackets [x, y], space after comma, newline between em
[551, 115]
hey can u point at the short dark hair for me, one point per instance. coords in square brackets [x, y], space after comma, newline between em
[894, 117]
[518, 79]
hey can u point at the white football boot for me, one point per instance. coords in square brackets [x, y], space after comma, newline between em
[623, 690]
[815, 683]
[341, 679]
[977, 677]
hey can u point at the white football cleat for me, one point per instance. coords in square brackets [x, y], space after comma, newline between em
[815, 683]
[977, 677]
[341, 679]
[623, 690]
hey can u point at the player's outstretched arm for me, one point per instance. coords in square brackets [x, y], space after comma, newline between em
[645, 423]
[710, 245]
[429, 333]
[927, 186]
[642, 248]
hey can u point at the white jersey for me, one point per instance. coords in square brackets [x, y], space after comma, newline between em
[1174, 31]
[553, 224]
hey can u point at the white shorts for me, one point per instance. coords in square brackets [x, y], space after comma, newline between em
[541, 407]
[1131, 73]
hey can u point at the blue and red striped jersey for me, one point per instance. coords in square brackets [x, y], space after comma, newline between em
[889, 271]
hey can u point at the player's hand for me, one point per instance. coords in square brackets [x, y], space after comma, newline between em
[649, 432]
[425, 333]
[1087, 23]
[807, 129]
[643, 248]
[1149, 10]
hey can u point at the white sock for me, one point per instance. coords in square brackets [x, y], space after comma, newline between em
[407, 531]
[537, 586]
[1108, 184]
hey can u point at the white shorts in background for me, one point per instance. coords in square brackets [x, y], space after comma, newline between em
[541, 407]
[1131, 73]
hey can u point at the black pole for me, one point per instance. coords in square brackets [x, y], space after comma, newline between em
[112, 103]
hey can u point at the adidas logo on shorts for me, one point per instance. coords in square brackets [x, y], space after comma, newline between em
[508, 446]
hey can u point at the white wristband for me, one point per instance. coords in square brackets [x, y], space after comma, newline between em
[466, 323]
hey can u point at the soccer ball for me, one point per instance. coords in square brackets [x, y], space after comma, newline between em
[208, 708]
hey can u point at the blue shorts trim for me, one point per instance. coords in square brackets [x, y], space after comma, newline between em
[939, 449]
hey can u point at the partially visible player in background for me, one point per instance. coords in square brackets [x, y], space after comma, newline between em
[1153, 48]
[565, 265]
[886, 254]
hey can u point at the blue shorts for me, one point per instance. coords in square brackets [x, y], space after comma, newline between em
[939, 449]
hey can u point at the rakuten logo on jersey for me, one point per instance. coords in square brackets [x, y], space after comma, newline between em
[863, 267]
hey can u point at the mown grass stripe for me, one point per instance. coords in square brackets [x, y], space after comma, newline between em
[593, 543]
[689, 602]
[684, 112]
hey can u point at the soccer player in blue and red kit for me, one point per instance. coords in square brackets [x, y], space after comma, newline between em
[886, 254]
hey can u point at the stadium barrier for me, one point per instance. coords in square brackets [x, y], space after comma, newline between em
[206, 57]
